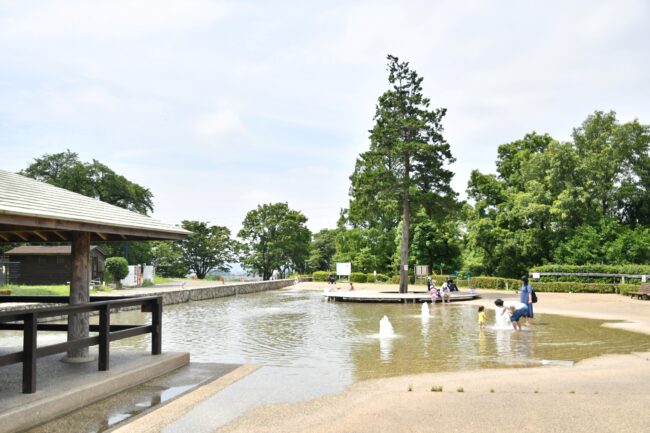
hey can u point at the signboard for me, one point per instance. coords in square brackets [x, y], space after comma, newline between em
[536, 275]
[421, 270]
[344, 268]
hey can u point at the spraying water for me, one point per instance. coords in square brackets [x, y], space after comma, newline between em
[385, 328]
[425, 311]
[502, 320]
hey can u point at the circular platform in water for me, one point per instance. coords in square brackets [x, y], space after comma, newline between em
[410, 297]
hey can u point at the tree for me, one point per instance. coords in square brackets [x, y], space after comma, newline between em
[406, 160]
[578, 202]
[118, 267]
[95, 179]
[207, 248]
[167, 257]
[321, 250]
[275, 237]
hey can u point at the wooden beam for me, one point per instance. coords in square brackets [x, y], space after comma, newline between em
[6, 239]
[40, 223]
[21, 236]
[40, 235]
[102, 235]
[58, 233]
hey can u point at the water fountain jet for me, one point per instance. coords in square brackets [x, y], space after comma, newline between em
[385, 328]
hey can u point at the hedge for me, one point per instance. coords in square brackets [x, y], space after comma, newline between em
[358, 277]
[379, 278]
[320, 276]
[6, 292]
[595, 269]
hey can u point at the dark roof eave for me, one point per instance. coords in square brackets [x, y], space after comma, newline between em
[34, 223]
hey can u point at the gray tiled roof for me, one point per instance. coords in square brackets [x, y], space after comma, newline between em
[26, 197]
[43, 250]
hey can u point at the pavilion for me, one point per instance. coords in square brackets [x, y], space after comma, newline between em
[33, 211]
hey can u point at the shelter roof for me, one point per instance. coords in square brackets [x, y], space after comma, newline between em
[33, 211]
[46, 250]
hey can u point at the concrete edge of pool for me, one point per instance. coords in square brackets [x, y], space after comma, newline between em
[374, 297]
[64, 388]
[161, 416]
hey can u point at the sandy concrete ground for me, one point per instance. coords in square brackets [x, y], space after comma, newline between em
[606, 394]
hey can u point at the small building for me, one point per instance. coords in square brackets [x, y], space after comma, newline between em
[51, 264]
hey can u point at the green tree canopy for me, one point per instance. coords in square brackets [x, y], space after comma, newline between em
[95, 179]
[576, 202]
[321, 250]
[406, 165]
[207, 248]
[275, 237]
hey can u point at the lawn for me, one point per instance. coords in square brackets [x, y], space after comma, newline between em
[43, 290]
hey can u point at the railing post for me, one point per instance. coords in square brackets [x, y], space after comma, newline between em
[104, 337]
[29, 354]
[156, 322]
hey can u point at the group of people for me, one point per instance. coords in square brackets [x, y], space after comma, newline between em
[443, 292]
[514, 309]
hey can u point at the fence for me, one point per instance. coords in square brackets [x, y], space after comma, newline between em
[107, 332]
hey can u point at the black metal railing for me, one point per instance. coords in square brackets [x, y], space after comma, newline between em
[103, 305]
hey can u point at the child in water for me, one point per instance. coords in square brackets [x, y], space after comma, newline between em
[351, 286]
[482, 317]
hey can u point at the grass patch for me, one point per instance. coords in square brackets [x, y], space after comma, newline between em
[436, 388]
[45, 290]
[492, 390]
[460, 389]
[572, 392]
[536, 391]
[410, 388]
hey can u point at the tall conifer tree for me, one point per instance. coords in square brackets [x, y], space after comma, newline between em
[407, 159]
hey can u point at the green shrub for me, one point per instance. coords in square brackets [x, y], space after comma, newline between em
[5, 292]
[630, 269]
[495, 283]
[394, 279]
[358, 277]
[320, 276]
[575, 287]
[381, 278]
[118, 267]
[624, 289]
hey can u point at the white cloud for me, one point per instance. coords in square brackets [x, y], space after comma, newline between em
[108, 19]
[218, 127]
[219, 106]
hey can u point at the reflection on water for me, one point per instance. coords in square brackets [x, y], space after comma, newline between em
[333, 344]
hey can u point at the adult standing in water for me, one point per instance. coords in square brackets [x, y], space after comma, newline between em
[526, 297]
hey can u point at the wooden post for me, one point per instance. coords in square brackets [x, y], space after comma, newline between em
[104, 337]
[29, 354]
[79, 293]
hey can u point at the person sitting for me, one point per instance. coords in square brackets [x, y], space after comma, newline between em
[444, 292]
[452, 285]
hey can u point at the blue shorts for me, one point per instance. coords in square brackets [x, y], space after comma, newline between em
[522, 312]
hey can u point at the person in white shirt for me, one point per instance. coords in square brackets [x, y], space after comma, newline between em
[516, 310]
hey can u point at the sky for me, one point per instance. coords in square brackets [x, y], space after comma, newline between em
[220, 106]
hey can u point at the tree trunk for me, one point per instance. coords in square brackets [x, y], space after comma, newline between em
[79, 291]
[404, 267]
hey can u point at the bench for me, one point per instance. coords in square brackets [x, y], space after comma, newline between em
[642, 293]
